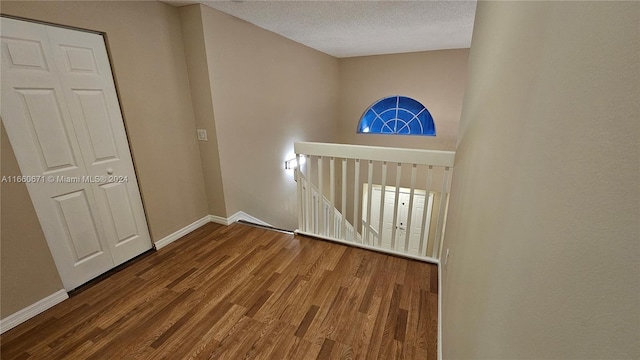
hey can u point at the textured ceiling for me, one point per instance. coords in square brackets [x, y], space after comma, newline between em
[357, 28]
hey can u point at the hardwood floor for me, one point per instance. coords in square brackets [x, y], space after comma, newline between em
[242, 292]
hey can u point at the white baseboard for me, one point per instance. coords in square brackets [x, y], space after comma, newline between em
[182, 232]
[240, 215]
[218, 220]
[30, 311]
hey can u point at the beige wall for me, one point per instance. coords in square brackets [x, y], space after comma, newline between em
[435, 78]
[147, 55]
[543, 222]
[27, 271]
[145, 43]
[200, 84]
[268, 92]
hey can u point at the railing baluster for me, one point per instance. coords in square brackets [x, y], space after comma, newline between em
[344, 199]
[444, 219]
[332, 196]
[424, 242]
[309, 204]
[414, 172]
[297, 172]
[321, 225]
[369, 191]
[444, 228]
[443, 200]
[383, 193]
[356, 199]
[395, 206]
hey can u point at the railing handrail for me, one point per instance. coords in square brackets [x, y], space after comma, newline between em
[377, 153]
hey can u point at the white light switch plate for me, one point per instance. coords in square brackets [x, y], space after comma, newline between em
[202, 134]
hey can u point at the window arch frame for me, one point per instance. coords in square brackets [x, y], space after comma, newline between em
[408, 107]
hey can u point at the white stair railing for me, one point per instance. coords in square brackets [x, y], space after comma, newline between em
[398, 205]
[312, 220]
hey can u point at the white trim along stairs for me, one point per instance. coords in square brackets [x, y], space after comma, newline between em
[240, 215]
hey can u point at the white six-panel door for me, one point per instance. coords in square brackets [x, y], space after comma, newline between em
[62, 116]
[402, 219]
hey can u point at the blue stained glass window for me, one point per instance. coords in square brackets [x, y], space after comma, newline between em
[397, 115]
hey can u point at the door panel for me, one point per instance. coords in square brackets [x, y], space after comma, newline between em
[25, 53]
[62, 116]
[388, 220]
[375, 212]
[416, 223]
[48, 131]
[82, 231]
[95, 117]
[401, 222]
[90, 91]
[117, 197]
[79, 59]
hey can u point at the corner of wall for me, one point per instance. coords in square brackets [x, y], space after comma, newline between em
[195, 46]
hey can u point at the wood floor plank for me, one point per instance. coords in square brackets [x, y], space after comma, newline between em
[342, 351]
[138, 342]
[308, 318]
[301, 349]
[386, 347]
[242, 292]
[68, 347]
[434, 280]
[364, 330]
[432, 327]
[401, 325]
[196, 335]
[424, 319]
[266, 341]
[227, 323]
[326, 349]
[239, 339]
[258, 304]
[295, 313]
[248, 293]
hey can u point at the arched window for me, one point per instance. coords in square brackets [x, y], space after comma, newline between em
[397, 115]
